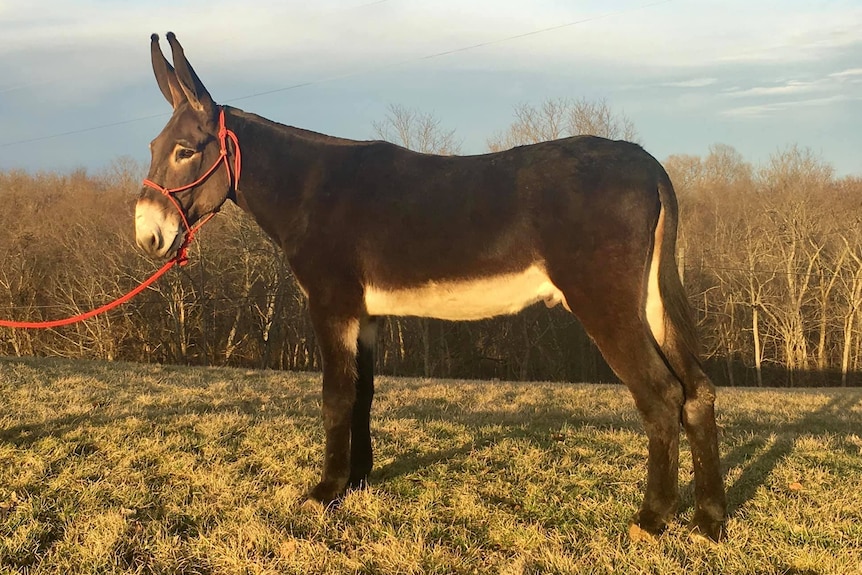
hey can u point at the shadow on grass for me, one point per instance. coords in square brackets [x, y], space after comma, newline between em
[758, 457]
[758, 464]
[25, 435]
[540, 426]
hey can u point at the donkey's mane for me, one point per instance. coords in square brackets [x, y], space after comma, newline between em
[302, 133]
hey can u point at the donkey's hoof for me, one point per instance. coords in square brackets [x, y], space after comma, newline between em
[639, 535]
[312, 507]
[646, 526]
[705, 527]
[326, 493]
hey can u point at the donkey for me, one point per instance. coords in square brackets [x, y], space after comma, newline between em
[373, 229]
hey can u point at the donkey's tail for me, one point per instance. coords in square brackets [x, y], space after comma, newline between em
[668, 311]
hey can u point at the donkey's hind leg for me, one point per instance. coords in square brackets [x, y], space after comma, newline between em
[698, 416]
[623, 338]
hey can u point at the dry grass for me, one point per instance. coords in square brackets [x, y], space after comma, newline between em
[121, 468]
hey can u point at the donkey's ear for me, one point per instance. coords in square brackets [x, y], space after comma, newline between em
[165, 75]
[190, 84]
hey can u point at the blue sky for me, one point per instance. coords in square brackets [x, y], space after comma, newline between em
[757, 75]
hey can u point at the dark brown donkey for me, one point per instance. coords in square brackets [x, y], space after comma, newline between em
[372, 229]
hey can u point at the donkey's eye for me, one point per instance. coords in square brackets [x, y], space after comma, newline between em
[184, 153]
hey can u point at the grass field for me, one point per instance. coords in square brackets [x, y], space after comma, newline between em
[122, 468]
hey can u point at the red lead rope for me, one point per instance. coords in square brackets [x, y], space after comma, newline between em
[87, 315]
[181, 258]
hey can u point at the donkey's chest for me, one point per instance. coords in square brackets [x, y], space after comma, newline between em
[466, 299]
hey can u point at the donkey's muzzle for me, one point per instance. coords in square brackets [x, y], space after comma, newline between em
[157, 231]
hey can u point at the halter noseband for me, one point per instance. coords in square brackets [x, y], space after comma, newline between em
[233, 182]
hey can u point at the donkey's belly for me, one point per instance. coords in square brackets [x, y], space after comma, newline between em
[467, 299]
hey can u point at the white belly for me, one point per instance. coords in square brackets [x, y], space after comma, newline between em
[468, 299]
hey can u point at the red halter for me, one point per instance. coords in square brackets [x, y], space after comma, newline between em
[233, 180]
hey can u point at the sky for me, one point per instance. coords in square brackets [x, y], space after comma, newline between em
[77, 88]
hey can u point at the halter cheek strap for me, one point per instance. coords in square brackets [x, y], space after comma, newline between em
[232, 177]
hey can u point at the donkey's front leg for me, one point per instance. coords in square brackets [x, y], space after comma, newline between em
[361, 457]
[337, 340]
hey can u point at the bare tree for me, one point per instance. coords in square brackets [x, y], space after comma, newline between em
[596, 118]
[417, 131]
[794, 181]
[749, 283]
[561, 117]
[851, 282]
[534, 124]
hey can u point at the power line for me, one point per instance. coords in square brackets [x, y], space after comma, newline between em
[357, 72]
[83, 130]
[543, 30]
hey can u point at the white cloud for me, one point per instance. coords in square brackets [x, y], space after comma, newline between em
[771, 108]
[850, 74]
[693, 83]
[788, 88]
[816, 90]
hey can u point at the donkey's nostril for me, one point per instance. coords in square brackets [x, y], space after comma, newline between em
[151, 243]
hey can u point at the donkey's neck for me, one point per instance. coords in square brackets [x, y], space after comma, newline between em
[281, 172]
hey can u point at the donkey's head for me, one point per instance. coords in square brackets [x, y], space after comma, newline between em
[185, 158]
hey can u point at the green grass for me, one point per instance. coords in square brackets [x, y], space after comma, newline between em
[123, 468]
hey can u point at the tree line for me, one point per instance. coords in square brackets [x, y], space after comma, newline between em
[771, 256]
